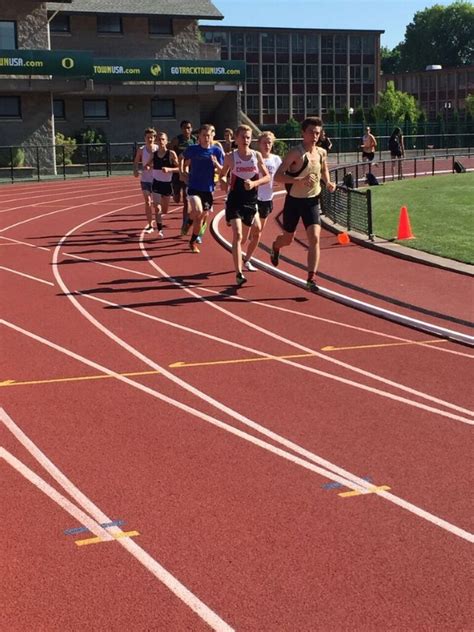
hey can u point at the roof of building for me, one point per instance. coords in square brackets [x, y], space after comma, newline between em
[199, 9]
[284, 29]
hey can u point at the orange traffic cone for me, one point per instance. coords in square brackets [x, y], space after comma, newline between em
[343, 239]
[404, 228]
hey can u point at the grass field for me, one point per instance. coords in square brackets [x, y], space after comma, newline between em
[441, 211]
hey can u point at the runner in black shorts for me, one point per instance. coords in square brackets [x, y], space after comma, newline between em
[164, 162]
[301, 170]
[179, 143]
[248, 171]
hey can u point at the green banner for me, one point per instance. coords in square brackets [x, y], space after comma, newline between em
[45, 62]
[167, 70]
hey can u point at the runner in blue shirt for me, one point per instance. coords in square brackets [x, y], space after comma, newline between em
[197, 165]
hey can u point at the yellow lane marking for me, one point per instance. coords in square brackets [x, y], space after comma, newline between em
[386, 344]
[179, 365]
[97, 540]
[372, 490]
[74, 379]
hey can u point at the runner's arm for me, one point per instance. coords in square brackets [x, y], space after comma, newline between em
[136, 162]
[325, 177]
[281, 175]
[174, 162]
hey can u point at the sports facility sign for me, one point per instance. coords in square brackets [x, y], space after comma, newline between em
[45, 62]
[168, 70]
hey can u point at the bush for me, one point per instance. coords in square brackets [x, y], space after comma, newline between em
[16, 157]
[91, 136]
[65, 148]
[280, 148]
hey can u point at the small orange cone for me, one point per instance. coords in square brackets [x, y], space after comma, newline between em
[343, 239]
[404, 228]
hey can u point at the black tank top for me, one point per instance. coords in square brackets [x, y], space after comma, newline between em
[164, 161]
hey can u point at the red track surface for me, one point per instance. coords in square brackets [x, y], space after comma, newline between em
[226, 463]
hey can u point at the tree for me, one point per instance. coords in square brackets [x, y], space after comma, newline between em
[331, 116]
[439, 35]
[359, 116]
[470, 104]
[290, 129]
[394, 105]
[390, 59]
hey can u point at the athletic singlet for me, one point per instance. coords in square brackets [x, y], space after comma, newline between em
[158, 164]
[368, 143]
[241, 171]
[265, 191]
[183, 143]
[147, 175]
[312, 164]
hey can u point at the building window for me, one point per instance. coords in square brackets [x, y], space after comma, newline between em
[312, 103]
[340, 102]
[283, 104]
[252, 103]
[60, 24]
[312, 43]
[282, 42]
[7, 34]
[268, 42]
[252, 73]
[368, 75]
[109, 24]
[95, 108]
[237, 41]
[340, 74]
[162, 108]
[298, 73]
[356, 44]
[268, 104]
[326, 102]
[297, 42]
[251, 42]
[158, 25]
[326, 73]
[312, 73]
[10, 107]
[298, 104]
[340, 44]
[327, 44]
[355, 74]
[282, 73]
[268, 73]
[59, 109]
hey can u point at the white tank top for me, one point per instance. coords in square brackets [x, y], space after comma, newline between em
[265, 191]
[147, 176]
[245, 169]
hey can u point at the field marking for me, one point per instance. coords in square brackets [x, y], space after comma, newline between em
[28, 276]
[98, 540]
[25, 243]
[78, 378]
[327, 470]
[159, 571]
[326, 358]
[386, 344]
[373, 490]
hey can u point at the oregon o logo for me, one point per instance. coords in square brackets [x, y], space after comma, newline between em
[67, 62]
[155, 70]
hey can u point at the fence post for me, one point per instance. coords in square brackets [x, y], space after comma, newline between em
[370, 229]
[109, 164]
[37, 164]
[12, 173]
[349, 209]
[64, 162]
[432, 165]
[88, 158]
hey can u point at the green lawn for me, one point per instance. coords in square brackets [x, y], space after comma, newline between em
[441, 211]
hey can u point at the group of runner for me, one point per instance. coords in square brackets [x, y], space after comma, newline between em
[190, 166]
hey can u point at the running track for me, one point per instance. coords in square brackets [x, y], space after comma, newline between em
[217, 429]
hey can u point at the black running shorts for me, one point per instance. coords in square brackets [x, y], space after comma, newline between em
[306, 209]
[162, 188]
[245, 212]
[205, 196]
[265, 208]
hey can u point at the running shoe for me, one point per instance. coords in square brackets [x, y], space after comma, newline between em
[203, 229]
[240, 279]
[249, 266]
[160, 234]
[311, 285]
[198, 240]
[275, 255]
[148, 228]
[194, 247]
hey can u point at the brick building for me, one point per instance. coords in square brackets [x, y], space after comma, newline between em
[298, 72]
[96, 59]
[438, 90]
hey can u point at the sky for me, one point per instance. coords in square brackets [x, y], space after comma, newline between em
[391, 16]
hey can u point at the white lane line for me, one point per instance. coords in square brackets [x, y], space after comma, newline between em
[68, 208]
[35, 195]
[28, 276]
[269, 306]
[72, 195]
[171, 582]
[25, 243]
[329, 470]
[77, 513]
[340, 363]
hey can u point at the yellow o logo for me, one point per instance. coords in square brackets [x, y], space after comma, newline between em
[67, 63]
[155, 70]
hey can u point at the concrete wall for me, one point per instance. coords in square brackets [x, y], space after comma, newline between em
[135, 41]
[31, 19]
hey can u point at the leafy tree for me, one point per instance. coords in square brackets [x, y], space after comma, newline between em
[359, 116]
[394, 105]
[470, 104]
[290, 129]
[372, 115]
[390, 59]
[331, 116]
[439, 35]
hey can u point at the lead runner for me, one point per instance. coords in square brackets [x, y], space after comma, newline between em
[301, 171]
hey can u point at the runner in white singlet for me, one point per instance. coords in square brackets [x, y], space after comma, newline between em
[142, 158]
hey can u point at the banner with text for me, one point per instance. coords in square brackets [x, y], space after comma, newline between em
[45, 62]
[168, 70]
